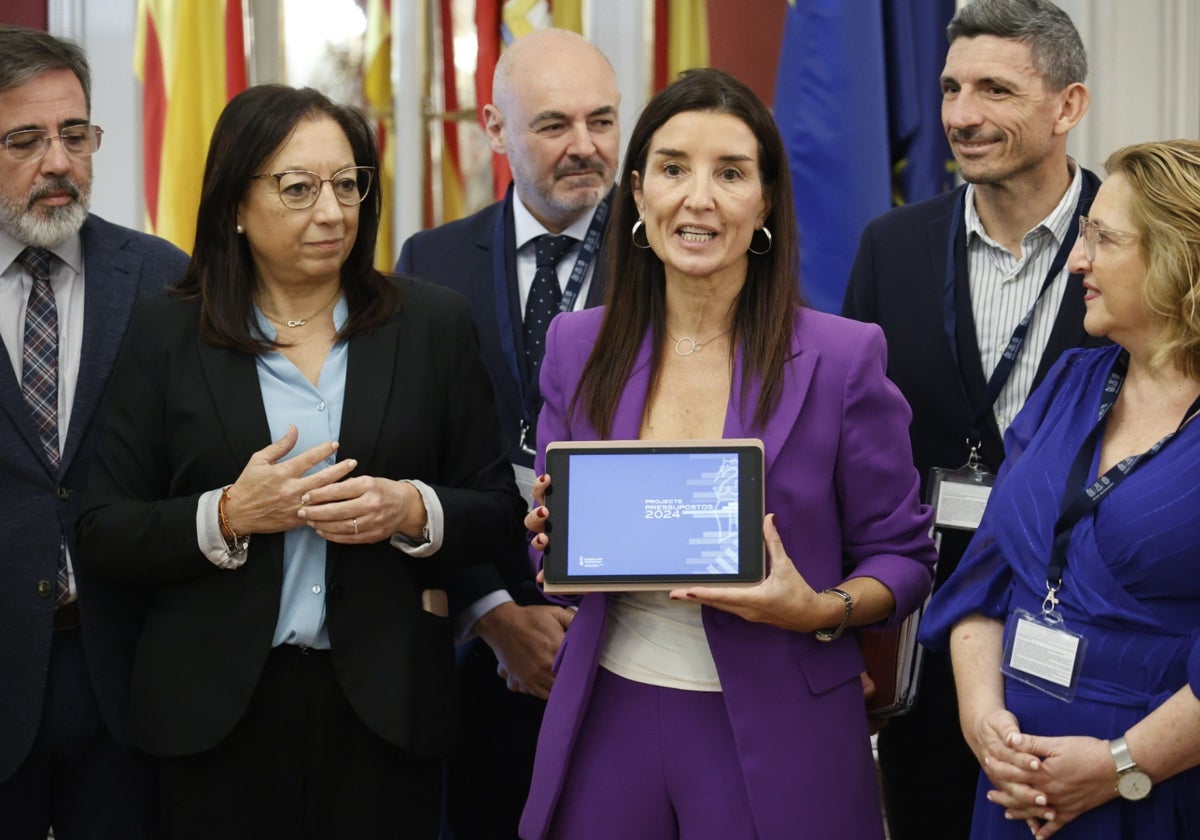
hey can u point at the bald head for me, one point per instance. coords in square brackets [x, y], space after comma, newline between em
[554, 115]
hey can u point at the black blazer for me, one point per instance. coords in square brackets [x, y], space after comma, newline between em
[184, 417]
[40, 505]
[461, 255]
[898, 281]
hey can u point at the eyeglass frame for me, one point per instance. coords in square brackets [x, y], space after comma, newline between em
[1089, 241]
[316, 194]
[88, 128]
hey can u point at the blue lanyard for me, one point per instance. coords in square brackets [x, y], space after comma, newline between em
[1008, 360]
[503, 245]
[1078, 504]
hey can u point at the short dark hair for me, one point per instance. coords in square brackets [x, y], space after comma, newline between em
[252, 127]
[27, 53]
[1053, 41]
[635, 297]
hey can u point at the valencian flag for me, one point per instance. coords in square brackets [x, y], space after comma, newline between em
[190, 57]
[857, 101]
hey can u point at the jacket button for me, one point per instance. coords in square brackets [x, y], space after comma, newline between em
[64, 493]
[44, 588]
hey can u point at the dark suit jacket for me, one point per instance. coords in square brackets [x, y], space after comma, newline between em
[40, 505]
[898, 281]
[184, 417]
[461, 255]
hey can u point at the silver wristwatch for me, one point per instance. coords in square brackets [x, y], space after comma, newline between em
[1132, 783]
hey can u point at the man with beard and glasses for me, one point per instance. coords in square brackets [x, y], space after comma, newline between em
[554, 115]
[974, 295]
[68, 282]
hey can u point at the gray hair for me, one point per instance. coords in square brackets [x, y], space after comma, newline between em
[27, 53]
[1052, 38]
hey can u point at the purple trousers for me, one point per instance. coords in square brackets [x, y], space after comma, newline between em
[653, 763]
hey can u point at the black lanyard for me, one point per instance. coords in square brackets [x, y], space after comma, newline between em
[1008, 360]
[1077, 504]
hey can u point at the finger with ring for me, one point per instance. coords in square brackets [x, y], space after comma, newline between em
[354, 522]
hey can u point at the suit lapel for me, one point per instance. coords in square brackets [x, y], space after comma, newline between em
[12, 402]
[370, 371]
[232, 378]
[797, 376]
[109, 294]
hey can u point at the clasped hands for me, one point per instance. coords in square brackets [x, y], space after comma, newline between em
[273, 495]
[1045, 781]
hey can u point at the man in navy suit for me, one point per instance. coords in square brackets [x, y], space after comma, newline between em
[68, 282]
[554, 115]
[950, 280]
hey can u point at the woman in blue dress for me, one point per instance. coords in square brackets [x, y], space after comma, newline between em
[1074, 620]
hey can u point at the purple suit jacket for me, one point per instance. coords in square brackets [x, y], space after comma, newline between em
[839, 478]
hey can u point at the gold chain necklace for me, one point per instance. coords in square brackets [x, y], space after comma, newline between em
[300, 322]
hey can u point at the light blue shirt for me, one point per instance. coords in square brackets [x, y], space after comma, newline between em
[316, 412]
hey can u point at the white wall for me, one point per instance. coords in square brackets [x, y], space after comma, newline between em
[1145, 74]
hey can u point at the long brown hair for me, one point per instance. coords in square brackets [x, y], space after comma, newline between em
[635, 301]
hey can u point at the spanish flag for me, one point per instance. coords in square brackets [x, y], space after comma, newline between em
[190, 57]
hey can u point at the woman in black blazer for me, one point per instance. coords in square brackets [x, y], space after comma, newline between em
[296, 449]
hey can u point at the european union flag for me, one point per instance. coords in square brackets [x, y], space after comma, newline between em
[858, 103]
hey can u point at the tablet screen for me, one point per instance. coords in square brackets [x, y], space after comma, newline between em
[653, 514]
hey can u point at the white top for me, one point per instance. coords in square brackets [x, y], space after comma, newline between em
[652, 639]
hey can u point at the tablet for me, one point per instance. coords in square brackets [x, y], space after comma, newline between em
[642, 515]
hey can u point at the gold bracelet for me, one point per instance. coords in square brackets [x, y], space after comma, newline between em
[828, 634]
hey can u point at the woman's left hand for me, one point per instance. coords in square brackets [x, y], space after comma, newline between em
[784, 598]
[1075, 774]
[364, 509]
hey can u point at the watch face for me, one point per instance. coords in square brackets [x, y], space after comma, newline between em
[1133, 784]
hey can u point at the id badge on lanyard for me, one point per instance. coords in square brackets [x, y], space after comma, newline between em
[959, 496]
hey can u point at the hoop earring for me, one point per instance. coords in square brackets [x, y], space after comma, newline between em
[765, 250]
[639, 225]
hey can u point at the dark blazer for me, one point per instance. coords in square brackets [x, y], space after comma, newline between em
[898, 281]
[40, 505]
[184, 417]
[462, 255]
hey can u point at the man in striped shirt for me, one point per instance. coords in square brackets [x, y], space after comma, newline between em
[972, 291]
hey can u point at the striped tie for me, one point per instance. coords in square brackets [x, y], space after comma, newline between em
[39, 372]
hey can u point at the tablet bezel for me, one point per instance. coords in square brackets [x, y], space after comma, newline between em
[751, 556]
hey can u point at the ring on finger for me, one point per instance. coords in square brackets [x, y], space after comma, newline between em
[354, 522]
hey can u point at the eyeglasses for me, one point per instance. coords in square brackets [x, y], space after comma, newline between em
[34, 143]
[299, 188]
[1091, 233]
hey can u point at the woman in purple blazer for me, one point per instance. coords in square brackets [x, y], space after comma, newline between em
[724, 713]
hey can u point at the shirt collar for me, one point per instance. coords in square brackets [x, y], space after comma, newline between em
[1058, 223]
[70, 250]
[528, 228]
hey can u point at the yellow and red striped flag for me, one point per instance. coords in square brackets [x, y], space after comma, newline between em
[190, 57]
[377, 89]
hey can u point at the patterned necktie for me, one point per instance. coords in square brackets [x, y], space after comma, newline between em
[39, 373]
[544, 297]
